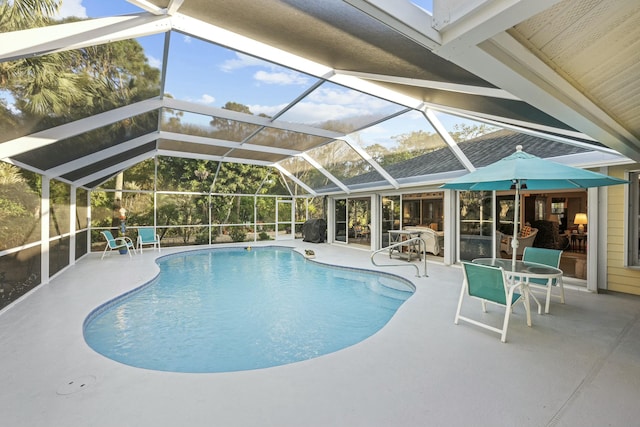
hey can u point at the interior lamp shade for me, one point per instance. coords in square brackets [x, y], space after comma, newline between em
[580, 220]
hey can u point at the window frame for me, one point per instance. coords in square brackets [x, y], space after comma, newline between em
[632, 223]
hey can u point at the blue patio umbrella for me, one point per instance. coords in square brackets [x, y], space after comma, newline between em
[521, 171]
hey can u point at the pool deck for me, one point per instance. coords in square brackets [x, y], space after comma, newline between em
[577, 366]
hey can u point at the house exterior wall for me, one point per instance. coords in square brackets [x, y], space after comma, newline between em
[619, 278]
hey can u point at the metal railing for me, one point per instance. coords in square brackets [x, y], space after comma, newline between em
[422, 251]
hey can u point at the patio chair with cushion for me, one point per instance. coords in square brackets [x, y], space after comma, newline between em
[489, 285]
[147, 236]
[550, 257]
[117, 243]
[525, 240]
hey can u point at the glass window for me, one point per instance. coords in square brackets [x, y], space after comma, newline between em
[426, 209]
[341, 220]
[390, 217]
[359, 221]
[476, 224]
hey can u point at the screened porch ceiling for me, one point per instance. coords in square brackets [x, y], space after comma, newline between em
[330, 86]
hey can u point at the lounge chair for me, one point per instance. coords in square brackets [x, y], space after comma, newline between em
[489, 285]
[550, 257]
[147, 236]
[118, 243]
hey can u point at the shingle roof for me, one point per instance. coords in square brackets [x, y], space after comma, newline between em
[481, 151]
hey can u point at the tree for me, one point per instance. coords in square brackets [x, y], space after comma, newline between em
[19, 208]
[42, 83]
[463, 132]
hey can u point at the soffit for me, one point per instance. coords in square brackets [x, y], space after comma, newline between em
[595, 45]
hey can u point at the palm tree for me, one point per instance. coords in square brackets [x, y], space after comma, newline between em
[22, 14]
[42, 82]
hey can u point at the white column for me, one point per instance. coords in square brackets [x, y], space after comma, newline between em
[376, 222]
[44, 230]
[451, 234]
[88, 201]
[596, 244]
[73, 212]
[331, 219]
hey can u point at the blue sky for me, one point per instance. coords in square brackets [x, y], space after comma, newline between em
[209, 74]
[212, 75]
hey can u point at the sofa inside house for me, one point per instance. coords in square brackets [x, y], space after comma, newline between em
[433, 239]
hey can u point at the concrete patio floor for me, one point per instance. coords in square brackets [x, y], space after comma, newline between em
[577, 366]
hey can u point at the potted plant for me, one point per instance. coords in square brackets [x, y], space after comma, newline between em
[123, 228]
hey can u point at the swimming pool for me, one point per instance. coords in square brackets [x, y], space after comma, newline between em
[233, 309]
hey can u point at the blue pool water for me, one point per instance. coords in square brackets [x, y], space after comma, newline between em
[221, 310]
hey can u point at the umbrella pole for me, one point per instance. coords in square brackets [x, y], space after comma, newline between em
[516, 220]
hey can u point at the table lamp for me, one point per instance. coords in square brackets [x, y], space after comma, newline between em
[580, 219]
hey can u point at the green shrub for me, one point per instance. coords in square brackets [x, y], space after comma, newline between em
[263, 236]
[202, 237]
[238, 234]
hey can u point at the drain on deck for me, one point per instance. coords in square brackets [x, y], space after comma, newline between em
[76, 385]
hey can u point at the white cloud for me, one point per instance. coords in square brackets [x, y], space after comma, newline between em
[206, 99]
[186, 39]
[268, 74]
[154, 62]
[308, 112]
[347, 98]
[269, 110]
[240, 61]
[374, 131]
[280, 78]
[72, 8]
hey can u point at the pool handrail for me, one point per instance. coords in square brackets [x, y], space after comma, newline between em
[422, 247]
